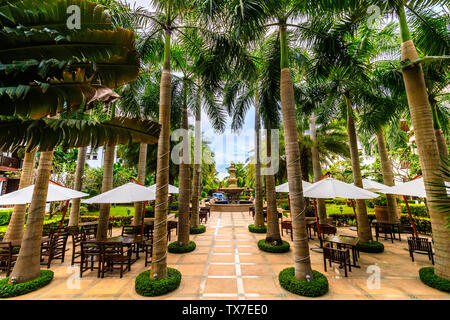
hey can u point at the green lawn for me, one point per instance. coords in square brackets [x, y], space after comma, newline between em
[334, 209]
[115, 211]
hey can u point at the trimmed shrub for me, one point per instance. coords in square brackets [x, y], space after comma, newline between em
[314, 288]
[284, 206]
[430, 279]
[152, 288]
[93, 207]
[8, 290]
[149, 212]
[197, 230]
[5, 216]
[340, 202]
[254, 229]
[175, 248]
[417, 210]
[173, 206]
[284, 247]
[374, 247]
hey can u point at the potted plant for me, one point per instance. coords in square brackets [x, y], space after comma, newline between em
[381, 209]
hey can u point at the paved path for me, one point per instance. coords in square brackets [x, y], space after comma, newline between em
[228, 265]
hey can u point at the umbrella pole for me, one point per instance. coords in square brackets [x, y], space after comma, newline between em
[410, 217]
[354, 212]
[143, 220]
[317, 221]
[63, 216]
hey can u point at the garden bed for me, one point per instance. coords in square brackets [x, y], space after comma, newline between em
[8, 290]
[152, 288]
[264, 246]
[314, 288]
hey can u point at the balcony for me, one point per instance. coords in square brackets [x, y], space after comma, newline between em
[9, 162]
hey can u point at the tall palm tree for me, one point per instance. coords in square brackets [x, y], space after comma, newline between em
[79, 171]
[14, 232]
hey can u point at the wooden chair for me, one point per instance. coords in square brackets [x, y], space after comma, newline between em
[131, 230]
[386, 229]
[171, 225]
[148, 249]
[325, 229]
[77, 238]
[203, 216]
[56, 249]
[91, 252]
[287, 225]
[251, 211]
[416, 244]
[206, 210]
[114, 257]
[341, 256]
[90, 232]
[7, 258]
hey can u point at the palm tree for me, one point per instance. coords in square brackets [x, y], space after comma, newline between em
[75, 209]
[14, 232]
[76, 79]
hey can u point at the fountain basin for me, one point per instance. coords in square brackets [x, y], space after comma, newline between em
[224, 206]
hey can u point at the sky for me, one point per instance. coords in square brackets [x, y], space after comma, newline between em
[229, 146]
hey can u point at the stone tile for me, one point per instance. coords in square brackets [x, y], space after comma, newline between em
[214, 285]
[222, 270]
[263, 285]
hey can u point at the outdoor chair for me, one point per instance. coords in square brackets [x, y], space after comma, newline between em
[115, 258]
[90, 232]
[416, 244]
[287, 225]
[77, 238]
[386, 229]
[148, 249]
[131, 230]
[91, 252]
[171, 225]
[325, 229]
[56, 249]
[7, 258]
[203, 216]
[251, 211]
[341, 256]
[405, 229]
[206, 210]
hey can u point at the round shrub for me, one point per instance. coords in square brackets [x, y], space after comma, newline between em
[374, 247]
[8, 290]
[314, 288]
[175, 248]
[197, 230]
[284, 247]
[254, 229]
[430, 279]
[151, 288]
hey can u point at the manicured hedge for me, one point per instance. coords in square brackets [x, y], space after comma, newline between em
[151, 288]
[5, 216]
[173, 206]
[175, 248]
[254, 229]
[430, 279]
[284, 247]
[417, 210]
[197, 230]
[314, 288]
[8, 290]
[374, 247]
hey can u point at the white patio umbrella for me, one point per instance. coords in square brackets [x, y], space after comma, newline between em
[330, 188]
[172, 189]
[55, 194]
[373, 185]
[127, 193]
[285, 186]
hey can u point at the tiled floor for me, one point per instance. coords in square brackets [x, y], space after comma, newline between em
[228, 265]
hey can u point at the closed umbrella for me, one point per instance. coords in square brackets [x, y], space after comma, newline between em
[127, 193]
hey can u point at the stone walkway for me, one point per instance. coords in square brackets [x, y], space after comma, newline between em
[227, 264]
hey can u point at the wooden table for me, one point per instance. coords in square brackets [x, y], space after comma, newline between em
[127, 241]
[345, 241]
[18, 243]
[310, 227]
[387, 227]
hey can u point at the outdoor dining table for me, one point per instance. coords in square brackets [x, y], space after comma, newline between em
[310, 227]
[127, 241]
[381, 226]
[346, 241]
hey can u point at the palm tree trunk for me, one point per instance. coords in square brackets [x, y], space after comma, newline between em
[273, 227]
[426, 144]
[185, 179]
[15, 229]
[388, 175]
[364, 230]
[107, 184]
[139, 206]
[302, 260]
[75, 209]
[321, 208]
[28, 262]
[440, 138]
[159, 261]
[259, 214]
[196, 183]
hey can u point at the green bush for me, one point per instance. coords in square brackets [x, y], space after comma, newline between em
[284, 206]
[284, 247]
[417, 210]
[149, 212]
[5, 216]
[8, 290]
[175, 248]
[380, 201]
[197, 230]
[254, 229]
[314, 288]
[374, 247]
[83, 211]
[173, 206]
[340, 202]
[152, 288]
[430, 279]
[93, 207]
